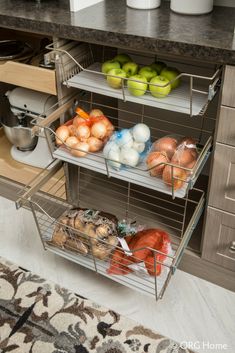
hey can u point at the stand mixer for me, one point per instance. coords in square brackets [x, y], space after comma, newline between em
[24, 106]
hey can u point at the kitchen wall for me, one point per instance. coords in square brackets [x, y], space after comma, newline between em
[230, 3]
[225, 2]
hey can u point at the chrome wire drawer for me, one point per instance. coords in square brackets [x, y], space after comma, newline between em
[47, 197]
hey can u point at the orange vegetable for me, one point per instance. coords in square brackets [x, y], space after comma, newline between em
[82, 113]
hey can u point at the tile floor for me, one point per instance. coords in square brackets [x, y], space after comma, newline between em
[192, 309]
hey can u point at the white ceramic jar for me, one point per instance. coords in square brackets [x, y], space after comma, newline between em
[143, 4]
[76, 5]
[192, 7]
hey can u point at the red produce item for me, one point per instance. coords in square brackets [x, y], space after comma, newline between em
[144, 240]
[117, 266]
[149, 264]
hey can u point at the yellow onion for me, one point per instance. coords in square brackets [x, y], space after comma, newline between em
[62, 133]
[96, 112]
[177, 173]
[80, 149]
[166, 144]
[153, 161]
[83, 132]
[72, 140]
[99, 130]
[95, 144]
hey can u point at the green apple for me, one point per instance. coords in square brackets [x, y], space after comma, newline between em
[109, 65]
[122, 58]
[115, 82]
[147, 72]
[130, 68]
[137, 85]
[171, 73]
[159, 91]
[158, 66]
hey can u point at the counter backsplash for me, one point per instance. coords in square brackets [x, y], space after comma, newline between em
[230, 3]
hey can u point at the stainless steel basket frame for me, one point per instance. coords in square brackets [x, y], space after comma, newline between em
[49, 204]
[193, 173]
[83, 58]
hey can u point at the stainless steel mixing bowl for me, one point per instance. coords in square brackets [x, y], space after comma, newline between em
[18, 132]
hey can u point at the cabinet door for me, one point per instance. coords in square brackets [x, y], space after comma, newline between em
[228, 97]
[226, 127]
[219, 241]
[222, 191]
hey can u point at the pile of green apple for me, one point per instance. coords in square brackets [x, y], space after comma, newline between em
[156, 77]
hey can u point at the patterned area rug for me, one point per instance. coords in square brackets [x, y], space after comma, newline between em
[38, 316]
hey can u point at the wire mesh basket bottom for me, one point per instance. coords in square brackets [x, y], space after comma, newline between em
[138, 279]
[151, 209]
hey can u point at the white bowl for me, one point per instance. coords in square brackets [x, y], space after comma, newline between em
[143, 4]
[192, 7]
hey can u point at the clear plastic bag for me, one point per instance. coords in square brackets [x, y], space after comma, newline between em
[172, 149]
[128, 147]
[186, 153]
[156, 239]
[87, 231]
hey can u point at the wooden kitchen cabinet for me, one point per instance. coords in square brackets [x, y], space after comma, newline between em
[228, 97]
[219, 243]
[28, 76]
[226, 126]
[26, 71]
[222, 190]
[167, 121]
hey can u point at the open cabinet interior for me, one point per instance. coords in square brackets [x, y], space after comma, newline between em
[22, 65]
[131, 194]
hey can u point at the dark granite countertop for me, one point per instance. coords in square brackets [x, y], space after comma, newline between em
[208, 37]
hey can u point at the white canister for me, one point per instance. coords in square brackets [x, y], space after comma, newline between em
[192, 7]
[76, 5]
[143, 4]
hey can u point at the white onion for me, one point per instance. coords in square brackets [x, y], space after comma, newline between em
[124, 138]
[141, 133]
[114, 158]
[139, 146]
[110, 146]
[129, 156]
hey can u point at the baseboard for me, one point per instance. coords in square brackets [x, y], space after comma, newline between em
[195, 265]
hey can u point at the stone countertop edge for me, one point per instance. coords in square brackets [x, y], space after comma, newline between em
[208, 38]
